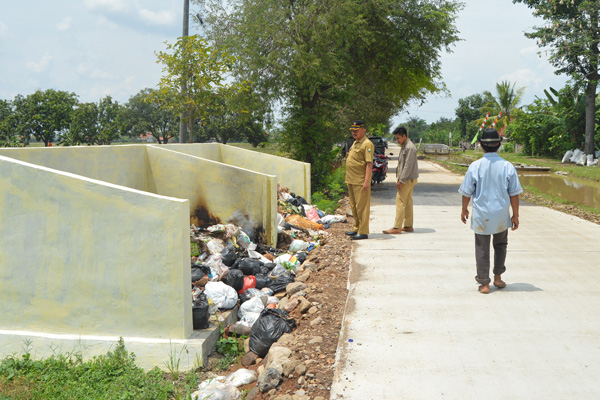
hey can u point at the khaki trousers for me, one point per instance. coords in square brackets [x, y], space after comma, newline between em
[404, 205]
[360, 203]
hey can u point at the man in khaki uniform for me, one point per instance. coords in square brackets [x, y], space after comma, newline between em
[359, 168]
[407, 173]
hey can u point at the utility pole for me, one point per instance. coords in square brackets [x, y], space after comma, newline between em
[183, 132]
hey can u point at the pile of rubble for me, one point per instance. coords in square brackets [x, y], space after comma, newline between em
[268, 284]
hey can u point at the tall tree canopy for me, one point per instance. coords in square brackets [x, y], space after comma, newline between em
[572, 35]
[331, 61]
[44, 113]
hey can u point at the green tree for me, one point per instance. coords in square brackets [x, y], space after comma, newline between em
[194, 78]
[93, 124]
[507, 101]
[328, 62]
[572, 34]
[144, 113]
[44, 114]
[439, 131]
[468, 112]
[417, 127]
[8, 133]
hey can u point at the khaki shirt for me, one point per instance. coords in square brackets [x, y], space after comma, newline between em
[360, 154]
[407, 162]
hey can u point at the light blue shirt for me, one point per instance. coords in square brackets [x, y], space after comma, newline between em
[491, 181]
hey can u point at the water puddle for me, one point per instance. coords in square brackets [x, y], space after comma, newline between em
[568, 188]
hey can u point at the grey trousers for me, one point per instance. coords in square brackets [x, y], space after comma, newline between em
[482, 255]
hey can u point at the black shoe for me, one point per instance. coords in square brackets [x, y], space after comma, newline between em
[359, 237]
[351, 233]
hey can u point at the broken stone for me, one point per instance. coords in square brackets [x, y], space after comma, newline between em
[300, 370]
[291, 305]
[304, 306]
[249, 359]
[294, 287]
[316, 321]
[269, 380]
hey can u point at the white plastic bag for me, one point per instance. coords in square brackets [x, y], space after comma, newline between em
[332, 218]
[224, 296]
[241, 377]
[214, 389]
[589, 160]
[215, 246]
[582, 160]
[254, 305]
[576, 155]
[298, 245]
[567, 156]
[288, 261]
[217, 267]
[280, 223]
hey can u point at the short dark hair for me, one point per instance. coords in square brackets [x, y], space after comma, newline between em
[400, 131]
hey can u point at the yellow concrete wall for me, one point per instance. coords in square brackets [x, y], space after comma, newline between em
[81, 256]
[209, 151]
[229, 193]
[120, 165]
[290, 173]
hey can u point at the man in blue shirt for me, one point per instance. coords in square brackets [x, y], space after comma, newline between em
[494, 185]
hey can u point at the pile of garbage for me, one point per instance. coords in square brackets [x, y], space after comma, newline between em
[580, 158]
[229, 269]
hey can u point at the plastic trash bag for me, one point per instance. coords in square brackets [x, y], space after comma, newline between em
[254, 305]
[224, 296]
[263, 281]
[582, 159]
[332, 218]
[215, 389]
[200, 312]
[303, 223]
[249, 266]
[249, 283]
[288, 261]
[241, 377]
[298, 245]
[589, 160]
[312, 215]
[228, 256]
[576, 155]
[567, 156]
[281, 282]
[215, 246]
[301, 256]
[269, 327]
[199, 272]
[217, 267]
[235, 279]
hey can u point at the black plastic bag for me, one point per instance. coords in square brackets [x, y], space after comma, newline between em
[281, 282]
[263, 281]
[268, 328]
[228, 256]
[301, 256]
[270, 266]
[200, 312]
[264, 270]
[199, 271]
[235, 279]
[249, 266]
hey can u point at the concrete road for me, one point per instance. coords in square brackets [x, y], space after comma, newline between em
[415, 326]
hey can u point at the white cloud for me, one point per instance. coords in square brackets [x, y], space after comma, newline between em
[64, 24]
[157, 17]
[41, 65]
[523, 77]
[99, 74]
[529, 50]
[107, 5]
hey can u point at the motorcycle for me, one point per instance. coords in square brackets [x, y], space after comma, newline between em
[380, 167]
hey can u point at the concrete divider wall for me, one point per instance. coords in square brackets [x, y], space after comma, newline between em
[121, 165]
[216, 190]
[85, 257]
[290, 173]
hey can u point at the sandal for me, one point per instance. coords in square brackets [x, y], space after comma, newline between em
[484, 289]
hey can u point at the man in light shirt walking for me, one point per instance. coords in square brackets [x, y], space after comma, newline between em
[494, 185]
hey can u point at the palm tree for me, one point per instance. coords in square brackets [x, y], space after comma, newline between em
[507, 100]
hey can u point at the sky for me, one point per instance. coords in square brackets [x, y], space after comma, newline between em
[96, 48]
